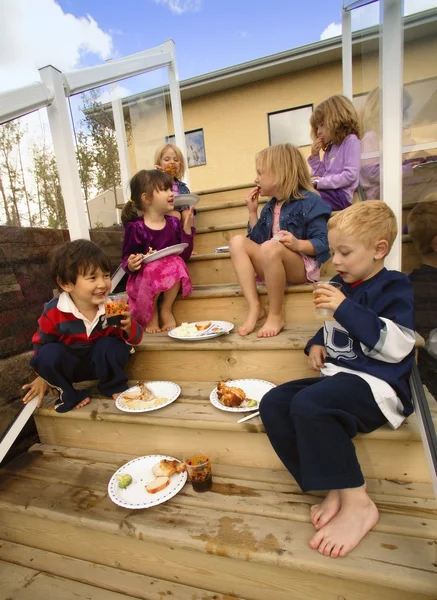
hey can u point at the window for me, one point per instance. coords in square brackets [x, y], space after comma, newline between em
[291, 125]
[195, 144]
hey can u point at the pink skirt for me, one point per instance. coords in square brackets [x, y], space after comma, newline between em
[152, 279]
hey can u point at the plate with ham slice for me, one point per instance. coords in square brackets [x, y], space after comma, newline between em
[147, 396]
[154, 479]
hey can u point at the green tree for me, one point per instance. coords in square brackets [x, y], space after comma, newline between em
[10, 136]
[51, 202]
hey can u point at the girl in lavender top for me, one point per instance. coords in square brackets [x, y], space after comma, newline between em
[148, 226]
[335, 130]
[170, 159]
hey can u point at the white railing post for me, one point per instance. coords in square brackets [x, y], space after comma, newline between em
[391, 69]
[346, 34]
[123, 155]
[176, 104]
[62, 136]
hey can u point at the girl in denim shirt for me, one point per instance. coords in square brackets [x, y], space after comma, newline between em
[287, 243]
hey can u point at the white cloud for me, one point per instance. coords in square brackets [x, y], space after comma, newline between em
[34, 34]
[180, 7]
[368, 16]
[112, 94]
[332, 30]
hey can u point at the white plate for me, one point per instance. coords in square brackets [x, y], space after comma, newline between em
[136, 496]
[170, 251]
[430, 164]
[253, 388]
[224, 327]
[161, 389]
[186, 200]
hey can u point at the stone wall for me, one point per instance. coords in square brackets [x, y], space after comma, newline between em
[25, 285]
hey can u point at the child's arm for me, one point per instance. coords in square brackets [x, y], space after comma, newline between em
[39, 387]
[133, 331]
[349, 170]
[317, 166]
[134, 244]
[47, 331]
[254, 229]
[316, 357]
[187, 233]
[384, 330]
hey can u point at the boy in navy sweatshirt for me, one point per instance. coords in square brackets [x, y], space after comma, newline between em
[365, 357]
[74, 341]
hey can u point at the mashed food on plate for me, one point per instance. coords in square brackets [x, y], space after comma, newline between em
[187, 330]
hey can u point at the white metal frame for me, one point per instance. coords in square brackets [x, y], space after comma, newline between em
[53, 92]
[346, 48]
[391, 70]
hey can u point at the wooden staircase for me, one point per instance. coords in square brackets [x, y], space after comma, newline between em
[62, 537]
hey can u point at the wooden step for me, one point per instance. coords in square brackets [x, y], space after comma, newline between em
[226, 194]
[212, 268]
[246, 538]
[209, 238]
[223, 213]
[227, 303]
[192, 424]
[34, 579]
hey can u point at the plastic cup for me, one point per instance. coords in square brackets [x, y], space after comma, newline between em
[115, 305]
[318, 293]
[199, 473]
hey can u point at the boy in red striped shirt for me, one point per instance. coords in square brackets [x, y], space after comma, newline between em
[74, 341]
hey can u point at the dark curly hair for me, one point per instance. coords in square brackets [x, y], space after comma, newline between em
[143, 182]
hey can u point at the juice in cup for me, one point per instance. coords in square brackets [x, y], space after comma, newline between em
[115, 305]
[199, 473]
[318, 293]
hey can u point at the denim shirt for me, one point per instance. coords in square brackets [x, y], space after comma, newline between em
[306, 218]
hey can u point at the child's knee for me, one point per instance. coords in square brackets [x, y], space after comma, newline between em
[270, 249]
[237, 242]
[303, 406]
[49, 355]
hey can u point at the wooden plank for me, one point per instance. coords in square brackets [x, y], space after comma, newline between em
[28, 584]
[404, 516]
[253, 581]
[207, 242]
[101, 576]
[379, 458]
[380, 489]
[387, 560]
[234, 213]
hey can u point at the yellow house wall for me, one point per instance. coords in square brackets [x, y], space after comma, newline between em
[235, 124]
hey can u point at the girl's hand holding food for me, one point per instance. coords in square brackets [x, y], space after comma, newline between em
[252, 200]
[134, 262]
[316, 147]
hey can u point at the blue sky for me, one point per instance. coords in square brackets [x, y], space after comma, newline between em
[209, 34]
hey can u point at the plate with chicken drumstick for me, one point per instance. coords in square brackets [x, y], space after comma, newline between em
[239, 395]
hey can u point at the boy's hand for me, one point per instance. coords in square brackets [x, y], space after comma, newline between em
[252, 200]
[38, 387]
[316, 147]
[316, 357]
[134, 262]
[126, 322]
[288, 240]
[331, 297]
[188, 220]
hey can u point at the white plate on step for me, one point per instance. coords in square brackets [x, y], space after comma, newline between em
[135, 496]
[186, 200]
[161, 389]
[254, 389]
[189, 332]
[170, 251]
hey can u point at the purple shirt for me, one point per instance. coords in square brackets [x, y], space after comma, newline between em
[340, 167]
[138, 238]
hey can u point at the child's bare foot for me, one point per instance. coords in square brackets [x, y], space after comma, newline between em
[271, 327]
[254, 315]
[325, 511]
[153, 325]
[357, 516]
[83, 403]
[168, 321]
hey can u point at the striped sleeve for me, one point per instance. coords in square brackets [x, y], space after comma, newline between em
[47, 331]
[136, 333]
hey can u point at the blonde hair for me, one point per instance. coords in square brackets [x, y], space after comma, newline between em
[288, 168]
[370, 113]
[422, 224]
[368, 221]
[163, 149]
[339, 117]
[143, 182]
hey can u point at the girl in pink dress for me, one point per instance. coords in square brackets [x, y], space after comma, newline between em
[149, 227]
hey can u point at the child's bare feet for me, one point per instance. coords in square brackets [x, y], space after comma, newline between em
[153, 324]
[357, 516]
[167, 319]
[271, 327]
[322, 513]
[254, 315]
[83, 403]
